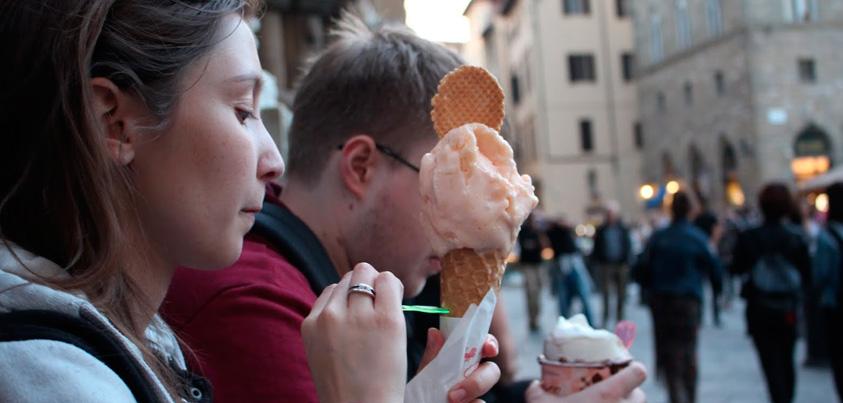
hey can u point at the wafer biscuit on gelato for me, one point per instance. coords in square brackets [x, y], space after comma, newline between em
[474, 198]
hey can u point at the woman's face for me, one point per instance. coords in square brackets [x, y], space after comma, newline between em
[202, 179]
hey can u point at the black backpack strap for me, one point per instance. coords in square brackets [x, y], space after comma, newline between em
[297, 243]
[50, 325]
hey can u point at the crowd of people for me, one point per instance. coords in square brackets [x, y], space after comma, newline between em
[784, 259]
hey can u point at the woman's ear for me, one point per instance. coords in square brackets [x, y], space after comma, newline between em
[116, 113]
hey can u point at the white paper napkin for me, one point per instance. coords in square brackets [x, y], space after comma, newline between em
[458, 358]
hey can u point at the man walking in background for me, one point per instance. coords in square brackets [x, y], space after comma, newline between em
[531, 240]
[611, 254]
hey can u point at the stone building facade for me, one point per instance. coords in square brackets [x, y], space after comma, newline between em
[736, 93]
[571, 102]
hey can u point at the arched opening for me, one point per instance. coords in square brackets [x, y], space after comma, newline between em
[812, 153]
[699, 178]
[668, 171]
[732, 192]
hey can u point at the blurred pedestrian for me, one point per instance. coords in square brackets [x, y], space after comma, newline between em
[732, 225]
[676, 262]
[824, 259]
[777, 263]
[568, 271]
[708, 223]
[611, 254]
[830, 300]
[531, 240]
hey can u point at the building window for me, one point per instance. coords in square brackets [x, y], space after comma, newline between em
[576, 6]
[586, 140]
[628, 65]
[527, 141]
[683, 24]
[638, 136]
[581, 67]
[622, 7]
[807, 71]
[660, 102]
[688, 92]
[656, 44]
[804, 10]
[714, 16]
[491, 49]
[719, 83]
[591, 181]
[516, 93]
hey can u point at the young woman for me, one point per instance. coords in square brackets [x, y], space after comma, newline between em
[131, 144]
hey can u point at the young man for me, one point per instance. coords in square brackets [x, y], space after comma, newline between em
[612, 254]
[361, 125]
[680, 261]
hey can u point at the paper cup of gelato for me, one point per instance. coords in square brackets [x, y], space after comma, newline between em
[577, 356]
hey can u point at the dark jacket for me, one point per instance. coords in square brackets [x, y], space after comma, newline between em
[530, 243]
[598, 254]
[679, 260]
[770, 237]
[562, 240]
[752, 244]
[831, 281]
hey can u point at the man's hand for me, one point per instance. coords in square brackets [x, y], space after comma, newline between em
[621, 387]
[479, 382]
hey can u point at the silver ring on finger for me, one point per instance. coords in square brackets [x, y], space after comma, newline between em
[362, 288]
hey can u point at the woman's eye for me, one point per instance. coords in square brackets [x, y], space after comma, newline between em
[243, 115]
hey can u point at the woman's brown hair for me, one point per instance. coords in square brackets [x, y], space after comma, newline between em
[61, 195]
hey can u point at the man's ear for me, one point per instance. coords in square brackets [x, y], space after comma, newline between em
[357, 162]
[116, 113]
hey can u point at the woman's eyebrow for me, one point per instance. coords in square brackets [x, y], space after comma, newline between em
[256, 79]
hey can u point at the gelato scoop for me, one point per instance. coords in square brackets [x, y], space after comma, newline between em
[473, 196]
[573, 340]
[474, 200]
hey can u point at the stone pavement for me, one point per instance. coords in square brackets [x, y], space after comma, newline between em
[729, 367]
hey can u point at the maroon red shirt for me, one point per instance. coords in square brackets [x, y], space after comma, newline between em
[242, 326]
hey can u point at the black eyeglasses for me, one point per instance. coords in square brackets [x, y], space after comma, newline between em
[389, 152]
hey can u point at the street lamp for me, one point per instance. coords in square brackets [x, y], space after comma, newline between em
[647, 192]
[821, 203]
[672, 187]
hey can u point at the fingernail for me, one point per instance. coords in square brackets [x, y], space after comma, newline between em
[457, 395]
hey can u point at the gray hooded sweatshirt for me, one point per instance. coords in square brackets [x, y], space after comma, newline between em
[54, 371]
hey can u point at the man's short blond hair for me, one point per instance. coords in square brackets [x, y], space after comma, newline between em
[374, 81]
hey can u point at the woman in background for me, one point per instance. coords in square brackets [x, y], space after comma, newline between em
[771, 318]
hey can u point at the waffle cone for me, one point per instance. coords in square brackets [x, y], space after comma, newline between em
[466, 278]
[469, 94]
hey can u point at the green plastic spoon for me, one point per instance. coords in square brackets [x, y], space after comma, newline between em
[424, 309]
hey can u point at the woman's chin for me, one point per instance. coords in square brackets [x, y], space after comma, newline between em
[221, 258]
